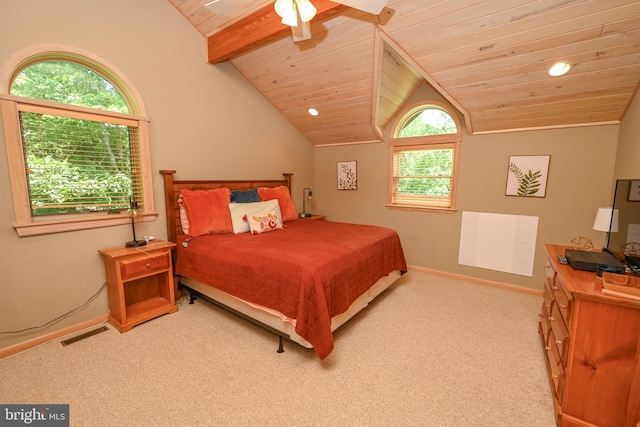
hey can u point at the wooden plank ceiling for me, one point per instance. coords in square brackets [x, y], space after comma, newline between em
[488, 58]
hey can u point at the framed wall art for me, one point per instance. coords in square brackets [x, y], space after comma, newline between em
[347, 176]
[634, 191]
[527, 176]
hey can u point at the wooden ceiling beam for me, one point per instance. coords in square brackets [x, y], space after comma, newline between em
[258, 29]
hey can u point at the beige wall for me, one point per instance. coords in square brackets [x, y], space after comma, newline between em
[580, 180]
[628, 157]
[206, 121]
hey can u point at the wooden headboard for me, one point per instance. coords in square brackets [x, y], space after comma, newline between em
[173, 187]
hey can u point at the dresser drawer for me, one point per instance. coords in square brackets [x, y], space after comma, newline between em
[133, 268]
[560, 333]
[550, 272]
[547, 294]
[563, 299]
[556, 368]
[545, 324]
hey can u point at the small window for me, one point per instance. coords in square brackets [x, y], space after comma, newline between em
[423, 158]
[76, 152]
[427, 121]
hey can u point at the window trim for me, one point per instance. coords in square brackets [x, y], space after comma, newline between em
[397, 143]
[25, 224]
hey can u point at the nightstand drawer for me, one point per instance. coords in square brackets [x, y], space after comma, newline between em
[137, 267]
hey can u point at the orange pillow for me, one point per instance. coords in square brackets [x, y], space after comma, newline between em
[208, 211]
[280, 193]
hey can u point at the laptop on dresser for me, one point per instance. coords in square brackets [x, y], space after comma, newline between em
[590, 261]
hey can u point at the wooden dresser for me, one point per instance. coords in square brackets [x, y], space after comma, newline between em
[591, 345]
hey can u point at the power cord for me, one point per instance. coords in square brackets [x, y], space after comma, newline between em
[94, 296]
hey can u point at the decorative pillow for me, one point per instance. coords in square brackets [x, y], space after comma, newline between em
[184, 221]
[284, 198]
[239, 211]
[263, 223]
[249, 196]
[207, 211]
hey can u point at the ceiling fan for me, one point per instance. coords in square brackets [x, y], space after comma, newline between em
[298, 13]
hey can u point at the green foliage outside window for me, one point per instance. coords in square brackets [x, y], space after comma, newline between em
[68, 83]
[430, 121]
[425, 172]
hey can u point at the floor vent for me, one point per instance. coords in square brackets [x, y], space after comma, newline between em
[83, 336]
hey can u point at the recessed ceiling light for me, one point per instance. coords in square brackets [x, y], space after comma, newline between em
[313, 111]
[559, 69]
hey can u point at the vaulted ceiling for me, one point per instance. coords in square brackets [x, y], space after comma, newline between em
[488, 58]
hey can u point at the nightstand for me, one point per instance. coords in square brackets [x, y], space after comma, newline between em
[139, 283]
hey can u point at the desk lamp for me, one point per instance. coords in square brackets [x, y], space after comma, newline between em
[136, 216]
[305, 195]
[606, 220]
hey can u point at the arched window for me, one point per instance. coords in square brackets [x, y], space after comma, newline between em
[424, 152]
[76, 142]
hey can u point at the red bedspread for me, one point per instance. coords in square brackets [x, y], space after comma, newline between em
[309, 271]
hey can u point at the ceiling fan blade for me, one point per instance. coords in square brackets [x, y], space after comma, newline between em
[301, 32]
[370, 6]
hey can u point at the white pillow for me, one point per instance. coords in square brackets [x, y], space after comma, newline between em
[240, 210]
[184, 221]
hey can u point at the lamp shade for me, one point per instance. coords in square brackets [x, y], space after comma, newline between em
[306, 9]
[604, 220]
[286, 9]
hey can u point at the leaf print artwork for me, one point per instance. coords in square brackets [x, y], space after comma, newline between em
[527, 176]
[347, 178]
[528, 183]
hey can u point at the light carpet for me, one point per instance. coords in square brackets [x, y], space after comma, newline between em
[429, 351]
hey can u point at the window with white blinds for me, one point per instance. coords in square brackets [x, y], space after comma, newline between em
[423, 176]
[76, 165]
[424, 153]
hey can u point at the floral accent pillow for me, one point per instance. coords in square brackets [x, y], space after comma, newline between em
[263, 223]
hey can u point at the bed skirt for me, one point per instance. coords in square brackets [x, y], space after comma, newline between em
[275, 320]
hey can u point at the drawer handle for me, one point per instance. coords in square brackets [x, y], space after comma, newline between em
[148, 265]
[559, 342]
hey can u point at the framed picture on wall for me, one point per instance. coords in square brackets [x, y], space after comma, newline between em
[527, 176]
[347, 176]
[634, 191]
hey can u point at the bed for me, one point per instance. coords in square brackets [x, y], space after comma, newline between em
[302, 279]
